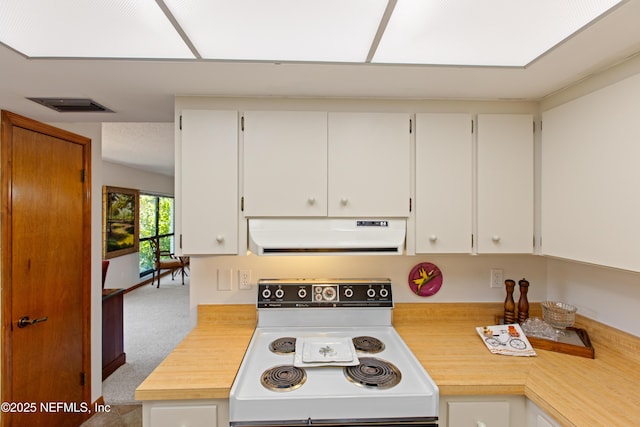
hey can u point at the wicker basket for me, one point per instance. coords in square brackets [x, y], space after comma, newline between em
[558, 314]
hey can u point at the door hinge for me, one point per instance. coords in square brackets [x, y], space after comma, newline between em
[534, 126]
[471, 241]
[410, 204]
[471, 125]
[180, 121]
[242, 204]
[83, 378]
[410, 126]
[83, 175]
[242, 123]
[180, 241]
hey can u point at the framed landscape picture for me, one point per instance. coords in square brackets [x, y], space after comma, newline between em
[120, 213]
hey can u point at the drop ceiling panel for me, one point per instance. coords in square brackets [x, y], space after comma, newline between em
[482, 33]
[90, 29]
[280, 30]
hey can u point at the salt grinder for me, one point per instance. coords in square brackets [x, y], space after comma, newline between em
[523, 303]
[509, 303]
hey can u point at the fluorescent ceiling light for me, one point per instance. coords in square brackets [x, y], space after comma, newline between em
[438, 32]
[280, 30]
[482, 32]
[90, 29]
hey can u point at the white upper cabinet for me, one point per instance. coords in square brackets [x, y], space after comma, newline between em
[505, 183]
[369, 164]
[209, 182]
[590, 177]
[285, 163]
[443, 165]
[301, 163]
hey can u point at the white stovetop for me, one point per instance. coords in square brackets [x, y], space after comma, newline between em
[327, 394]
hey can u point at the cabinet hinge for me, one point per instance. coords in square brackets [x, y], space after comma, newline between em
[83, 175]
[83, 378]
[180, 121]
[242, 123]
[242, 204]
[410, 126]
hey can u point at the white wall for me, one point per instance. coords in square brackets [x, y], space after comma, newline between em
[124, 270]
[465, 277]
[604, 294]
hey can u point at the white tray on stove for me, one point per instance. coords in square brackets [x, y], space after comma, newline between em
[325, 351]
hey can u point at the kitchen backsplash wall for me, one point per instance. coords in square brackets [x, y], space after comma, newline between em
[604, 294]
[465, 277]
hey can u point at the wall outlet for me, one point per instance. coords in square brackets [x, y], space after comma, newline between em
[244, 279]
[497, 278]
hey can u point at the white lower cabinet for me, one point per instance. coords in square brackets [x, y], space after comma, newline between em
[187, 413]
[536, 417]
[482, 411]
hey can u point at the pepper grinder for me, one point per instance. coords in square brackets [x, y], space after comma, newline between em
[523, 303]
[509, 303]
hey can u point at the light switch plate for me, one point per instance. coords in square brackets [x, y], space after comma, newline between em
[224, 279]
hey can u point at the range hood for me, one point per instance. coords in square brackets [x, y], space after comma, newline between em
[327, 236]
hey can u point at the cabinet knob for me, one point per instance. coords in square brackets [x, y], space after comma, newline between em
[433, 238]
[219, 238]
[344, 201]
[496, 238]
[311, 200]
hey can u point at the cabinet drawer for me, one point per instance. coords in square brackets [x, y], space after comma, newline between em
[183, 416]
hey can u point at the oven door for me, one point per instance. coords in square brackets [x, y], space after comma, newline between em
[378, 422]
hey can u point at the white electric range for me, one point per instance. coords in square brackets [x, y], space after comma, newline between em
[325, 352]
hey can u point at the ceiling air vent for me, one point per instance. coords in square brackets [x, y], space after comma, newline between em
[72, 105]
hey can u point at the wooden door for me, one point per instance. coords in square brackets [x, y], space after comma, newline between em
[46, 263]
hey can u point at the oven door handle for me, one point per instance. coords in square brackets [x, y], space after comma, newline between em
[377, 422]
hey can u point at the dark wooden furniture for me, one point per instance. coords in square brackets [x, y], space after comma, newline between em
[164, 260]
[113, 355]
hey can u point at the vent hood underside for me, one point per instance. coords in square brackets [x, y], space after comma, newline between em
[327, 236]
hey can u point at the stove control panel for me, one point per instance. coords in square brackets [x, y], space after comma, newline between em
[300, 293]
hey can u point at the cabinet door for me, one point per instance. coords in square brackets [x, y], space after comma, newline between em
[369, 162]
[209, 190]
[443, 204]
[590, 175]
[285, 163]
[505, 183]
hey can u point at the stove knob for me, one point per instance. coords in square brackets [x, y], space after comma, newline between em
[348, 292]
[384, 293]
[371, 292]
[328, 293]
[302, 293]
[279, 293]
[266, 294]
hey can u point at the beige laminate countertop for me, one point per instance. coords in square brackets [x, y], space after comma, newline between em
[576, 391]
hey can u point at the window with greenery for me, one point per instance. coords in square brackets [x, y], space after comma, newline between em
[156, 221]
